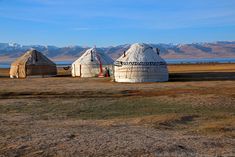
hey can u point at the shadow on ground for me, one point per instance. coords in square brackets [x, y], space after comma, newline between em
[201, 76]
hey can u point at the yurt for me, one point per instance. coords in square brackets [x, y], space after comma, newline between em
[92, 64]
[140, 63]
[32, 63]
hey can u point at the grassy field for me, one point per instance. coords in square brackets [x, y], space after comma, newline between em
[173, 68]
[64, 116]
[189, 68]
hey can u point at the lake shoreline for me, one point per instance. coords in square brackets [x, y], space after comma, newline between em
[209, 71]
[189, 61]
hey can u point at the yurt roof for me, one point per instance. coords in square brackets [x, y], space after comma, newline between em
[33, 57]
[93, 54]
[140, 52]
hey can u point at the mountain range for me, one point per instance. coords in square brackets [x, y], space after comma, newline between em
[220, 49]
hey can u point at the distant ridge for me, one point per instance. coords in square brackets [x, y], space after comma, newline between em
[219, 49]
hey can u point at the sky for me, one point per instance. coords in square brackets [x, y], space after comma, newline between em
[116, 22]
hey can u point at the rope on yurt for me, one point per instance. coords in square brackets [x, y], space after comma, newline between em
[91, 56]
[36, 56]
[80, 70]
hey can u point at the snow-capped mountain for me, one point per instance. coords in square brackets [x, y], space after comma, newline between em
[194, 50]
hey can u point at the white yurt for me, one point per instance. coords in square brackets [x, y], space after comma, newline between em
[92, 64]
[140, 63]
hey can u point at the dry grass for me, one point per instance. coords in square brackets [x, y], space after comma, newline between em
[63, 71]
[175, 68]
[4, 72]
[64, 116]
[225, 126]
[189, 68]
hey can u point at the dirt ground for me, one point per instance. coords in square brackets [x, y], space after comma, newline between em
[191, 115]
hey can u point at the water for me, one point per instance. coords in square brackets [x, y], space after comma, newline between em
[2, 65]
[58, 64]
[169, 61]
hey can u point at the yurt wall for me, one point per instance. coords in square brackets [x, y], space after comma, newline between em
[140, 64]
[89, 64]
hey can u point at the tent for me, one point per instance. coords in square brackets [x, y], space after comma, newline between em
[91, 64]
[140, 63]
[32, 63]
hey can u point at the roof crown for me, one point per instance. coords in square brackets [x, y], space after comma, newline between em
[33, 57]
[140, 52]
[92, 56]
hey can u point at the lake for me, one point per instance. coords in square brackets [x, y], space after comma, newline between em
[169, 61]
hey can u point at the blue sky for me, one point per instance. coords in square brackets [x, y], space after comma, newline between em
[114, 22]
